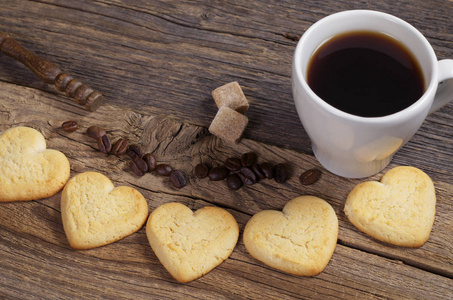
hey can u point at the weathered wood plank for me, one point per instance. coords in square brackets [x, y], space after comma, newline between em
[37, 257]
[157, 61]
[169, 55]
[64, 273]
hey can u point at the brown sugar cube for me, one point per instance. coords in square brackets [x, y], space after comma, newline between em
[228, 124]
[232, 96]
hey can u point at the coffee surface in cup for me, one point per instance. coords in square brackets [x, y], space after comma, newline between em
[364, 73]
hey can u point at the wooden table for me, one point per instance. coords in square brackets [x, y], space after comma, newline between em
[157, 62]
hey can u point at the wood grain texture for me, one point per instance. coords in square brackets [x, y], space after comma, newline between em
[156, 63]
[168, 55]
[37, 255]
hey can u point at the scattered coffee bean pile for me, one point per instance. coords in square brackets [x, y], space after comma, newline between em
[140, 164]
[235, 171]
[239, 171]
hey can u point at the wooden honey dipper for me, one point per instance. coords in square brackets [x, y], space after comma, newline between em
[51, 73]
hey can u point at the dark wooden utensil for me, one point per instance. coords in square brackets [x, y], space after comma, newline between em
[51, 73]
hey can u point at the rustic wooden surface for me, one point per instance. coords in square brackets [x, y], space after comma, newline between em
[157, 62]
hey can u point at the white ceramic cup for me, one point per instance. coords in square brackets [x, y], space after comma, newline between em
[353, 146]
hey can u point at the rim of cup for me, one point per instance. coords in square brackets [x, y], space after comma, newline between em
[430, 82]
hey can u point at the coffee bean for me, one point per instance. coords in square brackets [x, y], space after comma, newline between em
[163, 170]
[135, 169]
[201, 170]
[104, 144]
[150, 160]
[234, 182]
[218, 173]
[310, 176]
[248, 159]
[134, 150]
[141, 164]
[95, 132]
[177, 179]
[233, 164]
[70, 126]
[131, 153]
[120, 147]
[268, 170]
[249, 174]
[101, 145]
[244, 179]
[280, 173]
[258, 171]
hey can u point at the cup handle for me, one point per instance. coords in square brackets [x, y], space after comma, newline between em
[445, 90]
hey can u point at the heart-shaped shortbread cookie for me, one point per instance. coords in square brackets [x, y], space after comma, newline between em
[189, 244]
[398, 210]
[29, 171]
[95, 213]
[299, 240]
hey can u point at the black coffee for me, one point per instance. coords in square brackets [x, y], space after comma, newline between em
[367, 74]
